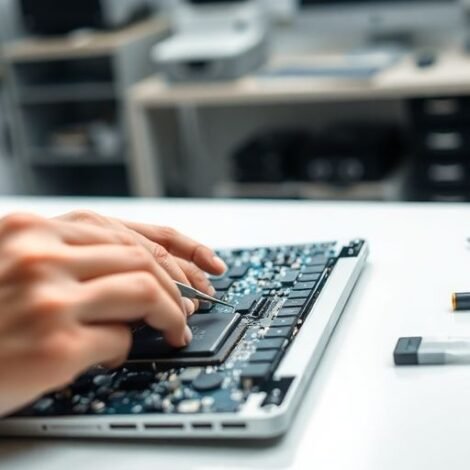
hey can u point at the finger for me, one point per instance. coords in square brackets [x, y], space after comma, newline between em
[89, 262]
[77, 233]
[170, 287]
[158, 253]
[171, 265]
[107, 345]
[163, 258]
[181, 245]
[122, 235]
[130, 297]
[196, 276]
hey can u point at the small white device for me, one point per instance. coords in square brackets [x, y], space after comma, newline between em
[213, 42]
[433, 350]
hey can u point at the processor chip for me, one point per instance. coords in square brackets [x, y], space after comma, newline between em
[212, 333]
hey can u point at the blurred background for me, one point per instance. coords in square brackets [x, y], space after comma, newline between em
[308, 99]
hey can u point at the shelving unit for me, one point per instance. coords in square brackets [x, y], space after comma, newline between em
[9, 168]
[68, 107]
[184, 135]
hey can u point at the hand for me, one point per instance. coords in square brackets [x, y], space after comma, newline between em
[184, 259]
[67, 293]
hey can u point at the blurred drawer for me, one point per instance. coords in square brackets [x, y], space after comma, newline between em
[440, 110]
[447, 197]
[442, 175]
[443, 142]
[439, 195]
[446, 174]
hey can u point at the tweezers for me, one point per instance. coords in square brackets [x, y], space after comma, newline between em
[191, 293]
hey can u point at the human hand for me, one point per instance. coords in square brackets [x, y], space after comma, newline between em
[67, 293]
[184, 259]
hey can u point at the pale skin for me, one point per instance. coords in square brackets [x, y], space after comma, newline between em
[70, 287]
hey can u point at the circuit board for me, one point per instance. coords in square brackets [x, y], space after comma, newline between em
[234, 351]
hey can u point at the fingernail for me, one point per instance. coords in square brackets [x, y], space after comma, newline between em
[188, 335]
[219, 263]
[188, 306]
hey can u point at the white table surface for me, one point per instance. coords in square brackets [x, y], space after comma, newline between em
[360, 412]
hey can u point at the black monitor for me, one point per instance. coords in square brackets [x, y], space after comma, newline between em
[55, 17]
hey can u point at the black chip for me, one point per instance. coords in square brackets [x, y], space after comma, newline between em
[310, 277]
[136, 381]
[294, 303]
[289, 312]
[287, 321]
[300, 294]
[317, 260]
[221, 284]
[209, 332]
[289, 277]
[272, 343]
[256, 373]
[264, 356]
[237, 272]
[279, 332]
[247, 302]
[313, 270]
[304, 285]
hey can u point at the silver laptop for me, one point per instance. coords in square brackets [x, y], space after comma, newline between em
[243, 375]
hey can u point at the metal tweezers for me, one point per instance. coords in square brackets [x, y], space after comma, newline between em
[191, 293]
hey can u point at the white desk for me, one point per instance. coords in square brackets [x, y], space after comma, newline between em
[360, 412]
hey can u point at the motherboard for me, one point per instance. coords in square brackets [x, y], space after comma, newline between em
[234, 351]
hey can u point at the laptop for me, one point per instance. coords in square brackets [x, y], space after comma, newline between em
[243, 375]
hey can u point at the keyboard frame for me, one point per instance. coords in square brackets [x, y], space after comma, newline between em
[252, 421]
